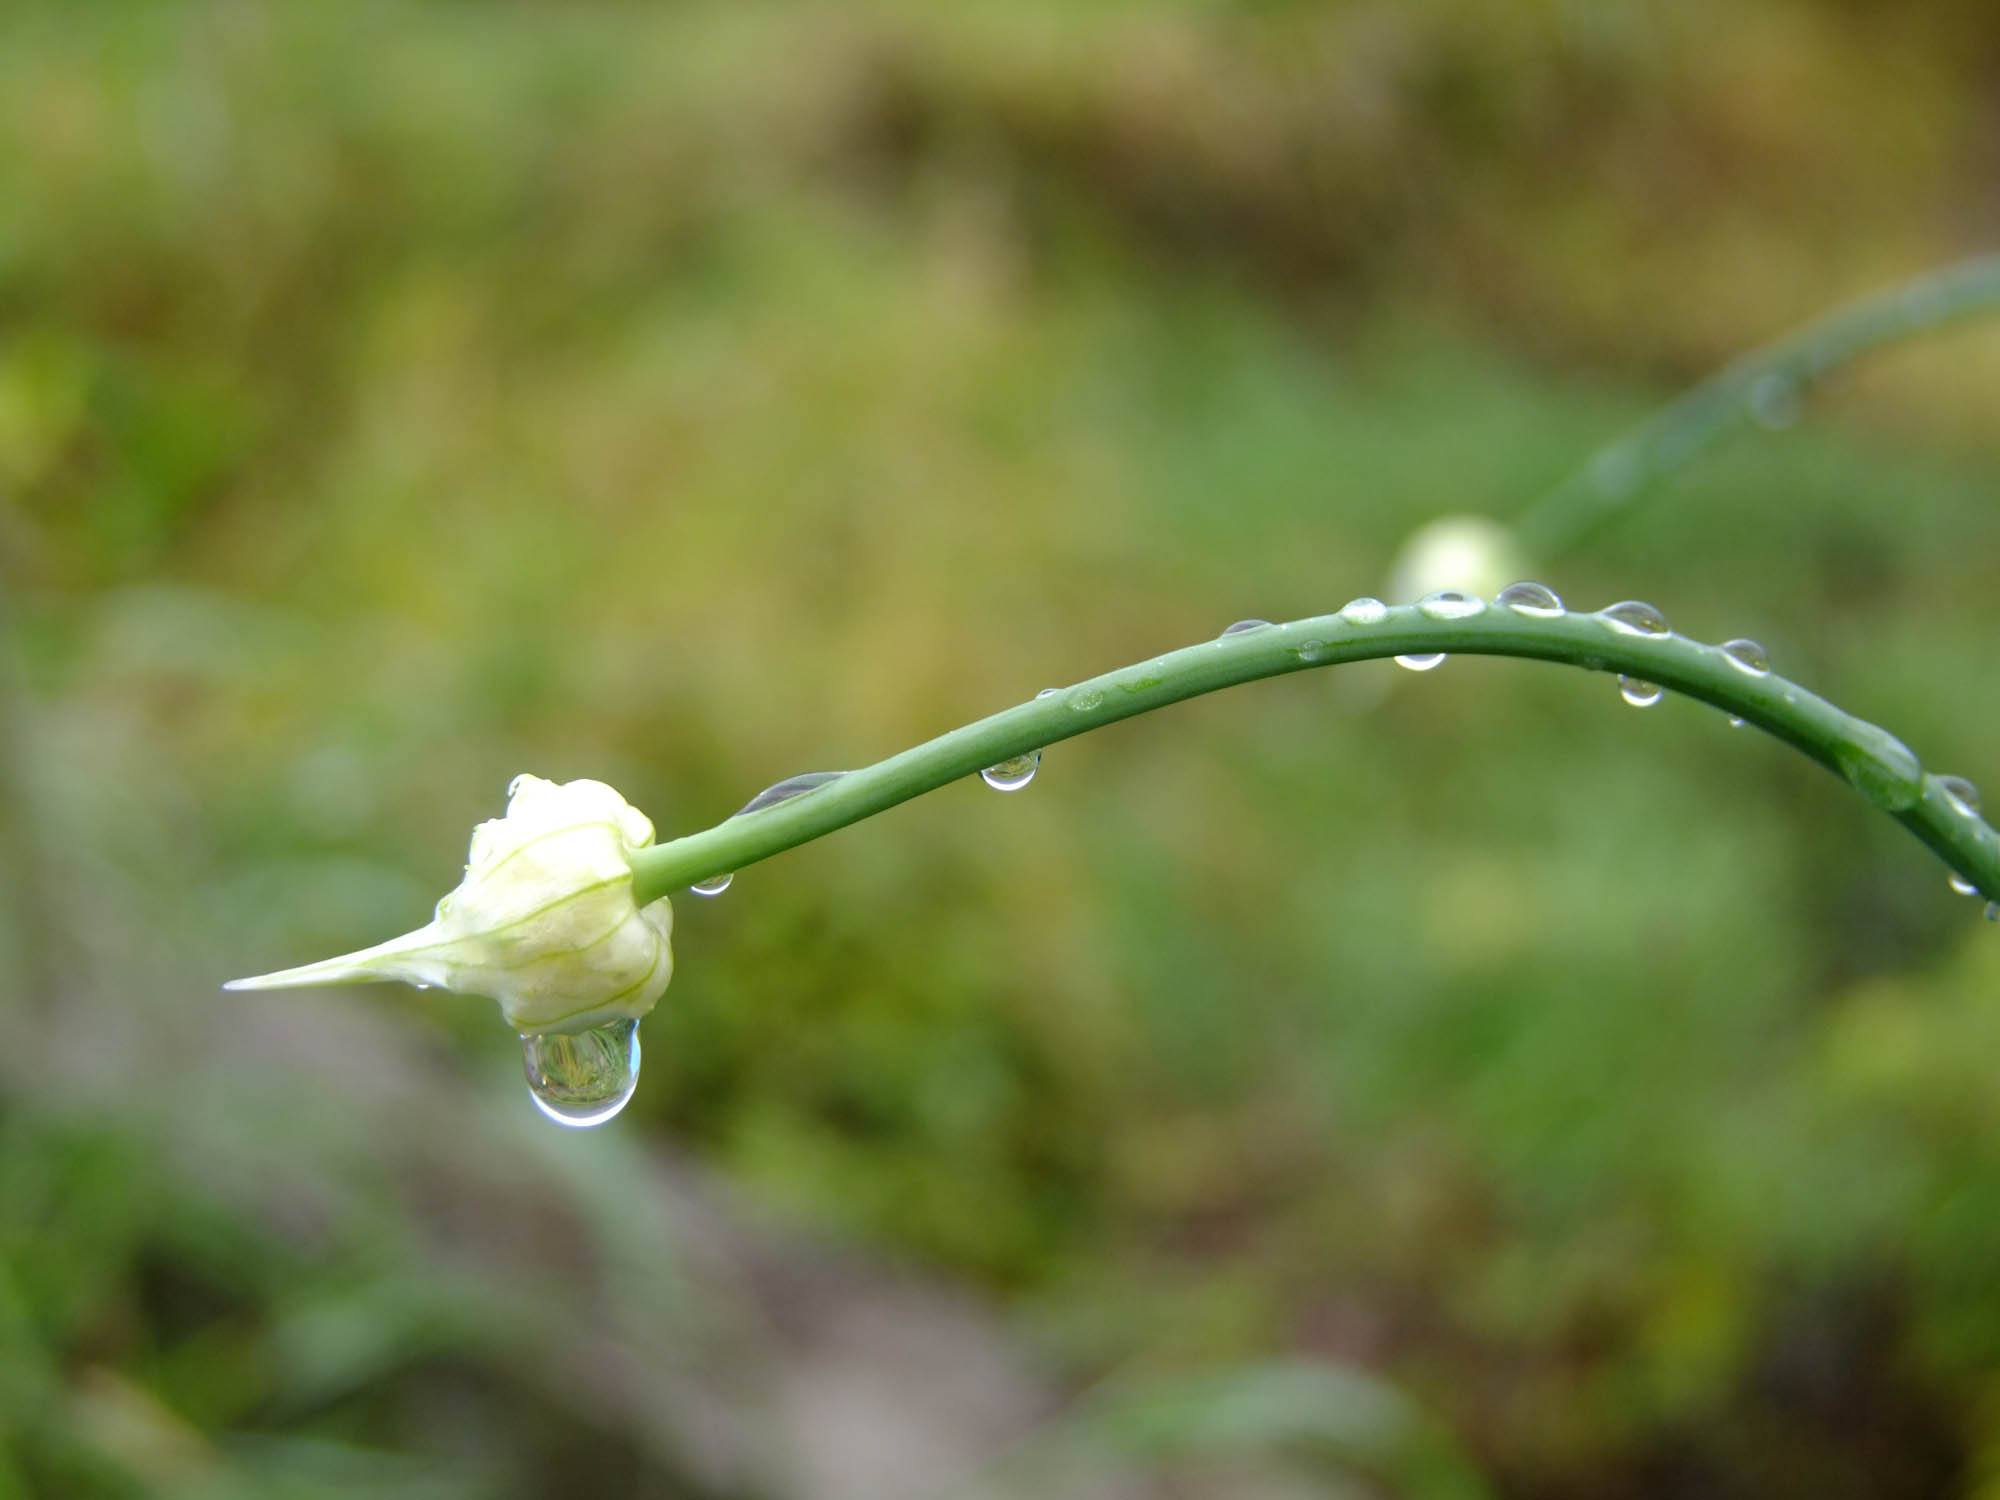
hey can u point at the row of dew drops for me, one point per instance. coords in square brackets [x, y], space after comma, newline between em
[585, 1078]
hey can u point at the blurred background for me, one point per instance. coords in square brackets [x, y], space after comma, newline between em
[1351, 1085]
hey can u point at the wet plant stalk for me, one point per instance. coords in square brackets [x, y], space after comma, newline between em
[1779, 373]
[1859, 752]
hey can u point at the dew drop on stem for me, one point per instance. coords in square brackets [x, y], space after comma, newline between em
[1012, 774]
[1244, 625]
[1963, 886]
[1962, 794]
[1635, 617]
[1421, 661]
[582, 1078]
[790, 787]
[1530, 599]
[1450, 604]
[714, 885]
[1640, 693]
[1364, 611]
[1880, 767]
[1747, 657]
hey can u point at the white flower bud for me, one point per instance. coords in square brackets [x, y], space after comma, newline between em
[1471, 553]
[544, 921]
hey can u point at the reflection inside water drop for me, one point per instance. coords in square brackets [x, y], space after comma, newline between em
[583, 1078]
[1880, 767]
[1529, 599]
[1747, 656]
[1635, 617]
[1014, 773]
[784, 791]
[715, 885]
[1451, 604]
[1962, 794]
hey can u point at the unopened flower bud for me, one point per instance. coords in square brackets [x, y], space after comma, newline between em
[543, 922]
[1472, 553]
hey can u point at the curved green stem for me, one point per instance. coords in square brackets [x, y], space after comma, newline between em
[1871, 759]
[1764, 385]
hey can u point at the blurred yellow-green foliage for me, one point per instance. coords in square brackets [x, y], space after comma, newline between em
[1533, 1097]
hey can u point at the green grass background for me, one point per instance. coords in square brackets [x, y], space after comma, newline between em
[395, 398]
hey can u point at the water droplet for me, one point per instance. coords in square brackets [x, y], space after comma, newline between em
[1421, 661]
[583, 1078]
[1774, 401]
[1640, 693]
[1635, 617]
[1747, 656]
[790, 787]
[1529, 599]
[1012, 774]
[1451, 604]
[1048, 692]
[1962, 794]
[1736, 721]
[1993, 911]
[715, 885]
[1364, 611]
[515, 785]
[1880, 767]
[1309, 649]
[1963, 886]
[1242, 625]
[1086, 700]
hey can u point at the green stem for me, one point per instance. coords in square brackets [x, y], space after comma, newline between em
[1871, 759]
[1763, 385]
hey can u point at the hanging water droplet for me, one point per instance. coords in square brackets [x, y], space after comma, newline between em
[1635, 617]
[1962, 794]
[1421, 661]
[1529, 599]
[715, 885]
[1747, 656]
[1963, 886]
[1364, 611]
[1993, 911]
[790, 787]
[1086, 700]
[1310, 649]
[1451, 604]
[583, 1078]
[1242, 625]
[1774, 401]
[1013, 773]
[1736, 721]
[1640, 693]
[1880, 767]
